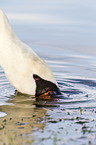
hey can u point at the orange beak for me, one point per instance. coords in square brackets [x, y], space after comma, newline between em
[46, 95]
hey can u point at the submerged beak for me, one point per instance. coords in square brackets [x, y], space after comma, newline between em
[45, 88]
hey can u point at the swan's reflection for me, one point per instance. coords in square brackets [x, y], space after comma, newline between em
[22, 119]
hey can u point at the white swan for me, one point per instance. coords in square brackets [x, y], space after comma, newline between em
[19, 62]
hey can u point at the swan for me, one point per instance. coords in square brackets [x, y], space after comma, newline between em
[22, 66]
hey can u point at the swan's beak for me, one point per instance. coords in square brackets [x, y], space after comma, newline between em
[45, 88]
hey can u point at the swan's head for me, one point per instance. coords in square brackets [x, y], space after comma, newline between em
[44, 87]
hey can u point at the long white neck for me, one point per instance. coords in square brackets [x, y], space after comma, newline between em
[6, 31]
[7, 37]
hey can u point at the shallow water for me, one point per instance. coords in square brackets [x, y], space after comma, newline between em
[63, 34]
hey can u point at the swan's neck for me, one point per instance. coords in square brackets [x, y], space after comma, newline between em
[7, 37]
[6, 32]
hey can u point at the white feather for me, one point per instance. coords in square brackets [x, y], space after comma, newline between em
[19, 61]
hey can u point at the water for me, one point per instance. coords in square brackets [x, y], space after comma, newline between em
[63, 34]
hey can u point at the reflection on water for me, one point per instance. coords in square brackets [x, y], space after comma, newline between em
[22, 119]
[68, 118]
[66, 40]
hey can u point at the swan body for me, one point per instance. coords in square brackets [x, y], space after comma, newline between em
[19, 61]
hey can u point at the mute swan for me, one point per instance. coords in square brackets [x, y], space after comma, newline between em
[22, 66]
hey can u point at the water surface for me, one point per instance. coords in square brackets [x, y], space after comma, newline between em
[63, 34]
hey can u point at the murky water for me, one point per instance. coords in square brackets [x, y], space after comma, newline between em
[63, 34]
